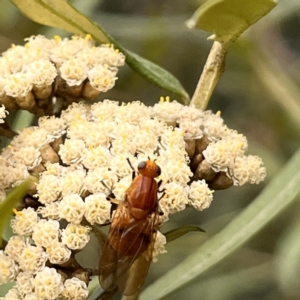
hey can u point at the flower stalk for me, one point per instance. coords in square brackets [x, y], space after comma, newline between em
[213, 69]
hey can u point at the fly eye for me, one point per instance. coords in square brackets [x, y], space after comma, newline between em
[158, 170]
[142, 165]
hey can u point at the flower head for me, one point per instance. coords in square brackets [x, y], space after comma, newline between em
[84, 163]
[33, 76]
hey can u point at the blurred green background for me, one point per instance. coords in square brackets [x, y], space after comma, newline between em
[258, 96]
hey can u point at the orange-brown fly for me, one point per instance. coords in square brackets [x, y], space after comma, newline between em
[127, 253]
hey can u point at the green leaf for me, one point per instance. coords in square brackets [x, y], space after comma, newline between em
[153, 73]
[178, 232]
[280, 193]
[228, 19]
[156, 75]
[61, 14]
[10, 202]
[288, 261]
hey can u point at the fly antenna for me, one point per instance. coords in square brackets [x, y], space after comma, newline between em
[133, 171]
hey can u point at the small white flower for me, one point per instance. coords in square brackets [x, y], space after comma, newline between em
[106, 110]
[145, 141]
[73, 71]
[96, 157]
[247, 169]
[46, 232]
[24, 221]
[24, 283]
[100, 180]
[65, 49]
[34, 136]
[43, 72]
[47, 284]
[106, 54]
[99, 134]
[3, 113]
[200, 196]
[75, 289]
[75, 111]
[80, 129]
[58, 253]
[29, 156]
[18, 174]
[32, 259]
[48, 188]
[175, 197]
[172, 139]
[132, 113]
[71, 151]
[15, 246]
[73, 182]
[75, 236]
[159, 246]
[8, 268]
[54, 169]
[176, 171]
[218, 155]
[167, 111]
[123, 145]
[213, 126]
[239, 172]
[257, 172]
[18, 84]
[97, 208]
[71, 208]
[54, 126]
[102, 78]
[40, 43]
[120, 165]
[191, 129]
[50, 211]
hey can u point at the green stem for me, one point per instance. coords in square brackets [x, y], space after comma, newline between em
[213, 69]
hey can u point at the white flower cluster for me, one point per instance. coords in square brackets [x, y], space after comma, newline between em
[76, 66]
[33, 280]
[81, 159]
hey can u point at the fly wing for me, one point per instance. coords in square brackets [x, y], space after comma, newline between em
[109, 260]
[127, 253]
[108, 267]
[118, 253]
[132, 270]
[131, 281]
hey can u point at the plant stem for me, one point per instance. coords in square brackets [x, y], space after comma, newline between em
[212, 71]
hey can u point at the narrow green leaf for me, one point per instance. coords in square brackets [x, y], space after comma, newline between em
[153, 73]
[156, 75]
[288, 261]
[178, 232]
[228, 19]
[274, 199]
[61, 14]
[11, 201]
